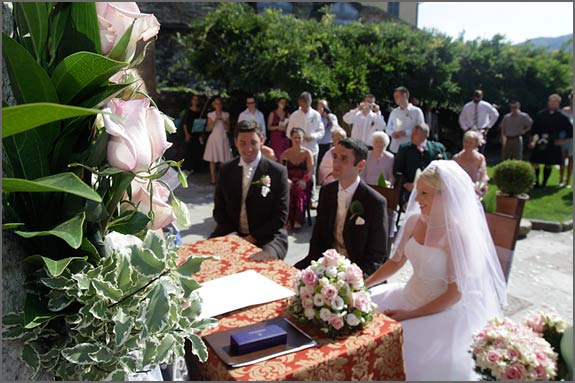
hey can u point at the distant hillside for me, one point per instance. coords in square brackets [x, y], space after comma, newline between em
[551, 43]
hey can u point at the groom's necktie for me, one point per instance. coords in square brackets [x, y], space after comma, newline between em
[247, 170]
[340, 221]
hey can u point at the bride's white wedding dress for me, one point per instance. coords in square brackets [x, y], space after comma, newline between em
[435, 347]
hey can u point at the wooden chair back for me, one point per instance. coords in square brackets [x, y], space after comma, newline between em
[504, 230]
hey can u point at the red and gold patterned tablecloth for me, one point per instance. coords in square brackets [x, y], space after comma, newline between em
[375, 353]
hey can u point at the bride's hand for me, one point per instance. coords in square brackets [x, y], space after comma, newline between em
[398, 315]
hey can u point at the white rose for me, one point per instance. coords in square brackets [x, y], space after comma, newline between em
[352, 320]
[319, 270]
[341, 275]
[318, 300]
[309, 313]
[331, 272]
[324, 281]
[325, 314]
[338, 303]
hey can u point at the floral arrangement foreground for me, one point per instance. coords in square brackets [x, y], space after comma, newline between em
[84, 188]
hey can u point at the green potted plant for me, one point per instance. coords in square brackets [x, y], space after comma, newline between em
[514, 179]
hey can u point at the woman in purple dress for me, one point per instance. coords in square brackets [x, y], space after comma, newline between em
[299, 163]
[277, 124]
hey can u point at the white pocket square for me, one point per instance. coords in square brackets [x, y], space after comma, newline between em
[265, 191]
[360, 221]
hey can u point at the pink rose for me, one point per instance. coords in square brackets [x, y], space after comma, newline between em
[305, 293]
[266, 181]
[163, 212]
[308, 277]
[361, 301]
[307, 303]
[541, 357]
[354, 275]
[537, 323]
[494, 356]
[329, 292]
[330, 258]
[114, 19]
[139, 139]
[336, 321]
[540, 372]
[499, 343]
[515, 371]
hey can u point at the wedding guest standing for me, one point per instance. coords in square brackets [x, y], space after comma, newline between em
[309, 120]
[299, 163]
[473, 162]
[416, 155]
[351, 216]
[548, 125]
[326, 166]
[364, 122]
[457, 284]
[379, 161]
[277, 125]
[567, 150]
[329, 122]
[194, 141]
[218, 146]
[513, 126]
[370, 99]
[252, 193]
[253, 114]
[402, 119]
[478, 115]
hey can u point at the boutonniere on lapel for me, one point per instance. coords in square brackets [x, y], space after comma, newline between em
[439, 156]
[356, 209]
[266, 182]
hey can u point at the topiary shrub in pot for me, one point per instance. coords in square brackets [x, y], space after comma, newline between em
[514, 179]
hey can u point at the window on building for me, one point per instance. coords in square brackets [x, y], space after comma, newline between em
[284, 6]
[345, 13]
[393, 8]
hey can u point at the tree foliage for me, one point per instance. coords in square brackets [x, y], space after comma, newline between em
[238, 51]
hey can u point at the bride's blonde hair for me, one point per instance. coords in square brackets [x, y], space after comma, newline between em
[431, 176]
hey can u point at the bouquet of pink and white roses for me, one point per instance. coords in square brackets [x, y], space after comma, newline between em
[331, 293]
[551, 327]
[504, 350]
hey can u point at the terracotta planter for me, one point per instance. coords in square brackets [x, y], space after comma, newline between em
[510, 204]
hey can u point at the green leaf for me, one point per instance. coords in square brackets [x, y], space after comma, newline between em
[80, 353]
[124, 273]
[191, 265]
[10, 226]
[31, 357]
[98, 310]
[15, 332]
[58, 301]
[107, 290]
[182, 178]
[155, 312]
[57, 283]
[59, 18]
[63, 182]
[20, 118]
[198, 347]
[149, 353]
[83, 72]
[122, 326]
[162, 351]
[36, 312]
[154, 242]
[188, 285]
[381, 181]
[35, 15]
[118, 52]
[85, 21]
[70, 231]
[28, 80]
[55, 268]
[12, 319]
[145, 262]
[103, 355]
[134, 225]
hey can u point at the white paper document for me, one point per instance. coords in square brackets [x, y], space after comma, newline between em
[236, 291]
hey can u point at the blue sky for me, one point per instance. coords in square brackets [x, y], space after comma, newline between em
[517, 21]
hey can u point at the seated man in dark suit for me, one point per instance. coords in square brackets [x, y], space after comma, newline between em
[351, 216]
[415, 155]
[252, 193]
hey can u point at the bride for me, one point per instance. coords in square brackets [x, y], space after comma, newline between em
[457, 283]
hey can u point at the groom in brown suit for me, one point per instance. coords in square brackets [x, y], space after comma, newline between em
[252, 195]
[351, 216]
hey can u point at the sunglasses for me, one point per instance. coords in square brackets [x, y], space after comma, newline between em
[250, 102]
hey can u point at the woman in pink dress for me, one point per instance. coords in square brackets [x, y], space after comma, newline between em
[218, 146]
[473, 162]
[299, 163]
[277, 124]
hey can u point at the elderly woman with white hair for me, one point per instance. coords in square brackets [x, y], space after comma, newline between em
[473, 162]
[326, 165]
[379, 161]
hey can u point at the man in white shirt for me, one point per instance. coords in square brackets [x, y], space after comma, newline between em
[365, 122]
[252, 114]
[478, 115]
[370, 99]
[309, 120]
[402, 119]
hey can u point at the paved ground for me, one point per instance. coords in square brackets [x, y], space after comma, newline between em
[541, 274]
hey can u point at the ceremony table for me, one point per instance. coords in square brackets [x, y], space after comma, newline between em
[375, 353]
